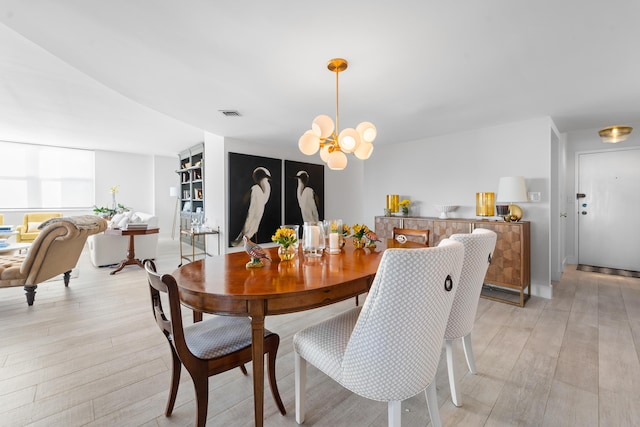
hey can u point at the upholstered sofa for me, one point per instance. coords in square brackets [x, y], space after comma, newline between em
[108, 249]
[28, 231]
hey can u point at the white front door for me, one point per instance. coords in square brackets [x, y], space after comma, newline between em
[609, 212]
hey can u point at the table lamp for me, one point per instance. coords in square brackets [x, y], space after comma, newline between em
[512, 189]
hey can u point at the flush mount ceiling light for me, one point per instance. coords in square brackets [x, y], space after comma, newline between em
[614, 134]
[333, 143]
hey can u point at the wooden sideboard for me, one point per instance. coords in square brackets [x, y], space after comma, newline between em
[508, 278]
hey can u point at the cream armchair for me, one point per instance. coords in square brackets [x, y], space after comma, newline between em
[28, 231]
[110, 249]
[55, 251]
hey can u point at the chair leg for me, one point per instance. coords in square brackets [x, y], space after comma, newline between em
[300, 386]
[468, 353]
[175, 382]
[201, 385]
[244, 369]
[271, 345]
[67, 277]
[432, 404]
[453, 385]
[394, 413]
[30, 292]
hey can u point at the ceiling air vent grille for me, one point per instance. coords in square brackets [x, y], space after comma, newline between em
[230, 113]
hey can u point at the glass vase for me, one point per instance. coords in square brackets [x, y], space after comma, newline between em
[358, 243]
[286, 253]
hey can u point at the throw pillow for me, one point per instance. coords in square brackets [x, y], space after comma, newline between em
[32, 227]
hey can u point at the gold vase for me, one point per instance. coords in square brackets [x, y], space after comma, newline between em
[286, 253]
[358, 243]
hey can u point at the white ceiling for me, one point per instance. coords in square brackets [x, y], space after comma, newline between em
[151, 75]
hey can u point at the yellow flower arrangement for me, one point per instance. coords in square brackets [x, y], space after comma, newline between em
[359, 230]
[114, 189]
[346, 230]
[404, 206]
[285, 237]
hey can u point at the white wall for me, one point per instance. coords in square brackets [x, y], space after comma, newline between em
[450, 169]
[143, 183]
[583, 141]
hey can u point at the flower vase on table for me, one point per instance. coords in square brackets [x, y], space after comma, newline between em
[286, 253]
[286, 238]
[359, 235]
[358, 243]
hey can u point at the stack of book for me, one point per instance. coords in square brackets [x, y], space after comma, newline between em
[4, 243]
[136, 226]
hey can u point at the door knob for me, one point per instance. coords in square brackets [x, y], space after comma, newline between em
[584, 212]
[563, 215]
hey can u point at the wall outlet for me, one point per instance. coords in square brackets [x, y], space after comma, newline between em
[534, 196]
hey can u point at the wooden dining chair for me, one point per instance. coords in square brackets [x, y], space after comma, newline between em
[205, 348]
[388, 349]
[478, 250]
[421, 236]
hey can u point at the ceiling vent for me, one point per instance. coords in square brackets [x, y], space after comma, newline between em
[230, 113]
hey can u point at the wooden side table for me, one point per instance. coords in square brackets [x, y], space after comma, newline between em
[131, 251]
[192, 234]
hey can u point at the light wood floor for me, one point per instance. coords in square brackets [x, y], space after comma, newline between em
[92, 355]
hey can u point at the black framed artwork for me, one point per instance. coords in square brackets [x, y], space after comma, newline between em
[303, 192]
[255, 199]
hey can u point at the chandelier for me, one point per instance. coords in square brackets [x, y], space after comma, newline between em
[615, 134]
[334, 145]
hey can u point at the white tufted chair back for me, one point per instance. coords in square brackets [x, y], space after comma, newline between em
[395, 346]
[478, 250]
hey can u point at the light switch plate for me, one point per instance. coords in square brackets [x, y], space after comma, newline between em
[534, 196]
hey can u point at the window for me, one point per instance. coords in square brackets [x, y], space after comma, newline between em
[42, 177]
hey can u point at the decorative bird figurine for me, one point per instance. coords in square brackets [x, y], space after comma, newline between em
[372, 237]
[255, 252]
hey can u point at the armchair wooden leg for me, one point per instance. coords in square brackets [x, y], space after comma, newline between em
[201, 385]
[67, 276]
[175, 382]
[30, 292]
[271, 346]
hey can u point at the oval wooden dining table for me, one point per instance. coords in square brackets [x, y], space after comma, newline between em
[225, 286]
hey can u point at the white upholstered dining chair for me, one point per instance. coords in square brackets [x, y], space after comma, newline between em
[478, 250]
[388, 349]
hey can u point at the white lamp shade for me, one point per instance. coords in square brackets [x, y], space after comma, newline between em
[367, 131]
[349, 139]
[512, 189]
[322, 126]
[364, 150]
[309, 143]
[337, 160]
[324, 153]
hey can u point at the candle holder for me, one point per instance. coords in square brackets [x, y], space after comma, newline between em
[333, 229]
[313, 238]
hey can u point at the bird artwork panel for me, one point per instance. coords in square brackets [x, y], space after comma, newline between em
[303, 192]
[255, 198]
